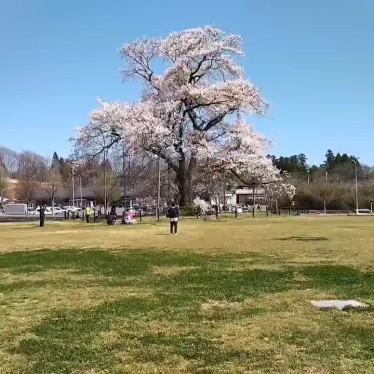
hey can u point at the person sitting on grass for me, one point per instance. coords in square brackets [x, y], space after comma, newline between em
[129, 220]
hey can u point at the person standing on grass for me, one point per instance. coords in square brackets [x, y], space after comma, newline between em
[173, 215]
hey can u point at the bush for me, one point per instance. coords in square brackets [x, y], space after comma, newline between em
[188, 211]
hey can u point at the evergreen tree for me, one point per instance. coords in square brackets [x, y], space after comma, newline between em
[330, 160]
[55, 161]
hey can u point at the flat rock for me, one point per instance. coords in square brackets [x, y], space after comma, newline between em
[338, 304]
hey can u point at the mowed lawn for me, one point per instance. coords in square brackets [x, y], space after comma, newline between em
[231, 296]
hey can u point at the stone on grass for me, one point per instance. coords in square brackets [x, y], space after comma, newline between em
[338, 304]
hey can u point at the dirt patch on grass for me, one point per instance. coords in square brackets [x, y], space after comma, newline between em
[242, 266]
[48, 275]
[170, 271]
[222, 305]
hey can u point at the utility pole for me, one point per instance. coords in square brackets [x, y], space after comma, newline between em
[324, 199]
[73, 182]
[254, 199]
[224, 192]
[105, 191]
[80, 188]
[356, 187]
[159, 187]
[124, 176]
[169, 181]
[128, 177]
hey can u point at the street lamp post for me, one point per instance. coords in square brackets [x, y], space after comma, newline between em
[124, 177]
[128, 177]
[80, 189]
[73, 181]
[158, 188]
[324, 200]
[356, 187]
[105, 187]
[224, 193]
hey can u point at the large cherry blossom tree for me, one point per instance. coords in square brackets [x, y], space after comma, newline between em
[194, 98]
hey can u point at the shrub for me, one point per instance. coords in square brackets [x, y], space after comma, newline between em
[188, 211]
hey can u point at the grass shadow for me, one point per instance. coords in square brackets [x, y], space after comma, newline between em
[64, 342]
[71, 341]
[304, 238]
[345, 281]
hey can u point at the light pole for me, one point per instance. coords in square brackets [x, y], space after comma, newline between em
[254, 199]
[128, 177]
[105, 190]
[124, 177]
[80, 188]
[356, 187]
[158, 187]
[73, 165]
[224, 192]
[169, 181]
[324, 199]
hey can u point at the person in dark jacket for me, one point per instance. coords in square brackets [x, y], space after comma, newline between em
[173, 215]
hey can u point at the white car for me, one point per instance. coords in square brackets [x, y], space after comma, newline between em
[71, 209]
[58, 210]
[74, 209]
[47, 212]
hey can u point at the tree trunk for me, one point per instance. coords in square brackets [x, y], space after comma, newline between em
[182, 183]
[184, 178]
[53, 204]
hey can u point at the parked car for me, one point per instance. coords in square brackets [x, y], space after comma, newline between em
[58, 210]
[48, 211]
[71, 208]
[31, 210]
[364, 211]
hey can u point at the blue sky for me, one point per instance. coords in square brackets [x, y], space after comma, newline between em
[313, 60]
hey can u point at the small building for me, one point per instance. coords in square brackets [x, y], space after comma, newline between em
[249, 196]
[82, 196]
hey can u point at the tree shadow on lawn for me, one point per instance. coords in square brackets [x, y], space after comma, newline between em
[124, 262]
[211, 275]
[304, 238]
[68, 340]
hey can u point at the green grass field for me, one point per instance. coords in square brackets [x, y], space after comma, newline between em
[231, 296]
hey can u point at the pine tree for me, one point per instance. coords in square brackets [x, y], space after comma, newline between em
[55, 161]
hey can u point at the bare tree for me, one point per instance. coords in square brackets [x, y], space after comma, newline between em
[31, 171]
[9, 160]
[325, 190]
[109, 190]
[3, 178]
[53, 185]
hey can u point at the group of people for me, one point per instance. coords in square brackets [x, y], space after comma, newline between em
[172, 213]
[127, 219]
